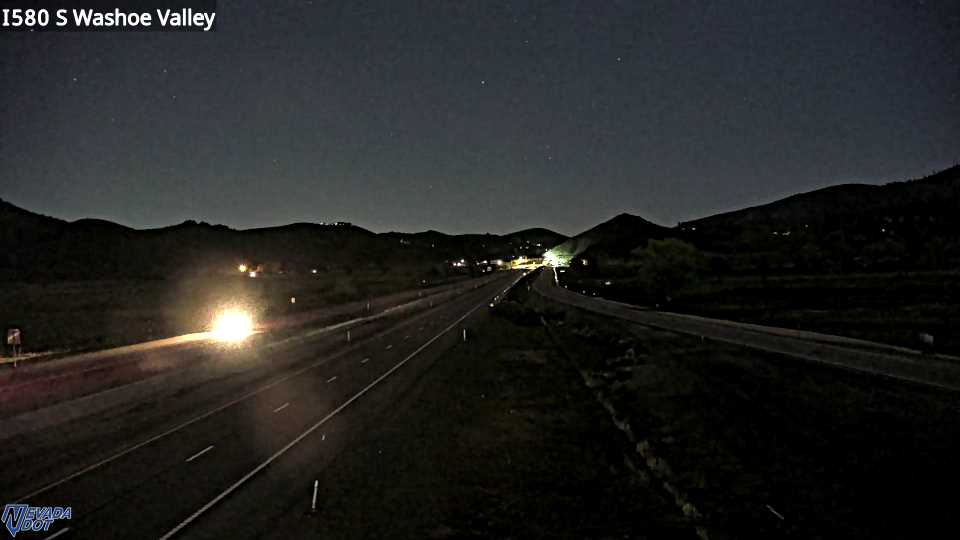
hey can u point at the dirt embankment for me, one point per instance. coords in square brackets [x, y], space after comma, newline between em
[763, 446]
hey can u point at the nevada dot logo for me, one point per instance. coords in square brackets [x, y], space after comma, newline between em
[23, 517]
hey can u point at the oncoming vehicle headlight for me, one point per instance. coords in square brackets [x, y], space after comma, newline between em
[232, 325]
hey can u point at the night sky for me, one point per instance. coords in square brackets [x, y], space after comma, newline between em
[485, 116]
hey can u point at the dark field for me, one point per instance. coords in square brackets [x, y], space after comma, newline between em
[499, 439]
[836, 454]
[87, 315]
[888, 308]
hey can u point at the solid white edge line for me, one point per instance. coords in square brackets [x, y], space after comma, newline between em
[233, 487]
[129, 449]
[198, 454]
[174, 429]
[58, 533]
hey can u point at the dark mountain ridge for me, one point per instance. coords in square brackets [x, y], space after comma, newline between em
[616, 237]
[912, 224]
[42, 247]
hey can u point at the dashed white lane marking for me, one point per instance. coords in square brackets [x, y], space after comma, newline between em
[406, 338]
[365, 360]
[200, 453]
[130, 449]
[282, 407]
[331, 379]
[778, 514]
[58, 533]
[389, 347]
[233, 487]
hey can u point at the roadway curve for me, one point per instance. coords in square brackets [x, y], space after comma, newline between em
[876, 359]
[220, 448]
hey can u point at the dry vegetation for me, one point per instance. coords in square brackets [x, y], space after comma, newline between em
[837, 455]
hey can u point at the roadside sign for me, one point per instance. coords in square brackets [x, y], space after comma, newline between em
[14, 336]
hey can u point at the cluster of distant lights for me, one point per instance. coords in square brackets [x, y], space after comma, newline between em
[553, 259]
[244, 269]
[463, 262]
[549, 259]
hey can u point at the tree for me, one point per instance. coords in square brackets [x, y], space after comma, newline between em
[668, 266]
[885, 254]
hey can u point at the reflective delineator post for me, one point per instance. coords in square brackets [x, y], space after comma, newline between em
[313, 503]
[464, 335]
[348, 336]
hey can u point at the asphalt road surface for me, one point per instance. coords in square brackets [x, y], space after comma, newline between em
[216, 449]
[872, 358]
[39, 381]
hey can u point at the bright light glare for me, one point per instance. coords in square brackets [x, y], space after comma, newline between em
[232, 325]
[552, 259]
[242, 268]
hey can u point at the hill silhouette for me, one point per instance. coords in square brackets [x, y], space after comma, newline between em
[37, 246]
[905, 225]
[899, 225]
[615, 237]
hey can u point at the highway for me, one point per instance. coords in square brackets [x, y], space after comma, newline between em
[224, 444]
[38, 381]
[875, 359]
